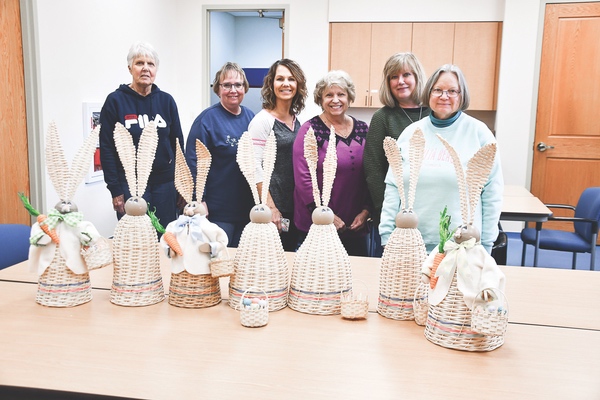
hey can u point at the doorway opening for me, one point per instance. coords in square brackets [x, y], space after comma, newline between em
[252, 38]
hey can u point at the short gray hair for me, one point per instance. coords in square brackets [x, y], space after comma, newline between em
[142, 49]
[465, 98]
[335, 78]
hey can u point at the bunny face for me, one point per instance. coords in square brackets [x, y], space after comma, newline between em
[407, 219]
[322, 216]
[260, 214]
[65, 207]
[136, 206]
[193, 208]
[466, 232]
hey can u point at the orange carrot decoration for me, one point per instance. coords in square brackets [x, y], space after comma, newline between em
[445, 235]
[170, 238]
[40, 218]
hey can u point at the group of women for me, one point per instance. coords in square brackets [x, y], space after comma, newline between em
[364, 194]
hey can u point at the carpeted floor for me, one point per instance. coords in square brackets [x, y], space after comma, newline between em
[546, 258]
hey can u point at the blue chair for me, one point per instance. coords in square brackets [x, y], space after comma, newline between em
[15, 244]
[582, 240]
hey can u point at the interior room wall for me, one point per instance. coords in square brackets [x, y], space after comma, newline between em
[83, 46]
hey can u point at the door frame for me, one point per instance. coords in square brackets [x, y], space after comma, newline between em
[206, 9]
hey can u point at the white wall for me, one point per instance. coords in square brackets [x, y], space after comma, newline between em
[83, 45]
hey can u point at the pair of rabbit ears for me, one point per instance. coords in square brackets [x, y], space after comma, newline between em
[311, 154]
[394, 157]
[137, 163]
[64, 179]
[184, 182]
[246, 161]
[470, 183]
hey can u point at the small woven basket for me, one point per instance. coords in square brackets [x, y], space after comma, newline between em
[449, 325]
[58, 286]
[400, 273]
[420, 304]
[98, 255]
[490, 313]
[222, 266]
[194, 291]
[355, 304]
[254, 314]
[260, 262]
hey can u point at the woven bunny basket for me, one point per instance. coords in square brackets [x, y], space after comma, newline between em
[64, 247]
[137, 279]
[260, 260]
[321, 273]
[405, 251]
[466, 267]
[192, 242]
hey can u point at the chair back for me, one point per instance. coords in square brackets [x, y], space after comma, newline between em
[15, 244]
[588, 207]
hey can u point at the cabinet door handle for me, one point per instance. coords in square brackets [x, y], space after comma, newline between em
[366, 101]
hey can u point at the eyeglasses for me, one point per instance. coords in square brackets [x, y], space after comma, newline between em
[449, 93]
[229, 86]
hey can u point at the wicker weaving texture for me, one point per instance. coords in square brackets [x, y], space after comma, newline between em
[58, 286]
[260, 262]
[194, 291]
[321, 273]
[489, 323]
[449, 325]
[251, 317]
[420, 305]
[222, 267]
[137, 280]
[400, 273]
[98, 255]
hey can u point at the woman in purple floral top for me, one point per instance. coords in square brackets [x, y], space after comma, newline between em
[350, 199]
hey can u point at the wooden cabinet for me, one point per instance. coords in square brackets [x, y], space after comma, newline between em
[361, 49]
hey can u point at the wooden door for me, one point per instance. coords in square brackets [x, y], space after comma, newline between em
[568, 104]
[14, 167]
[350, 50]
[433, 44]
[386, 40]
[479, 60]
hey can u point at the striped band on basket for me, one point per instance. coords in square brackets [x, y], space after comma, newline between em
[320, 303]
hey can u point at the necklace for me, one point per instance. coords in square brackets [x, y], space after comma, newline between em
[407, 116]
[340, 132]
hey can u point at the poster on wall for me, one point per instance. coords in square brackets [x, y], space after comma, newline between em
[91, 119]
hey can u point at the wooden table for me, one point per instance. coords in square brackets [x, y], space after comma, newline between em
[165, 352]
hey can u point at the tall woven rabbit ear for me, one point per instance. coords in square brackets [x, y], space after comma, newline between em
[145, 156]
[245, 159]
[394, 157]
[478, 170]
[56, 163]
[81, 162]
[329, 167]
[312, 158]
[269, 156]
[417, 148]
[203, 160]
[126, 151]
[184, 183]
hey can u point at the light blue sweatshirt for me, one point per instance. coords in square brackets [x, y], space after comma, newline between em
[437, 186]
